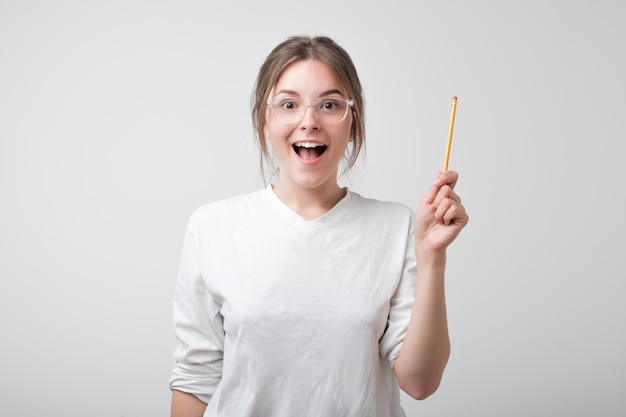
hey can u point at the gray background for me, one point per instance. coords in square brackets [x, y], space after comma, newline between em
[119, 118]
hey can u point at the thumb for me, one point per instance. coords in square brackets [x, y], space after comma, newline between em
[429, 197]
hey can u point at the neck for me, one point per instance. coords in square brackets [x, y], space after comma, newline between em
[309, 203]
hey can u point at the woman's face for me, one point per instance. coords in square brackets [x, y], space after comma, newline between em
[308, 150]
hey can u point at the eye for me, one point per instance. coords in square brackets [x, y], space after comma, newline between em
[288, 104]
[329, 105]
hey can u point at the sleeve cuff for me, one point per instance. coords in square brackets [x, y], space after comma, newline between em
[199, 380]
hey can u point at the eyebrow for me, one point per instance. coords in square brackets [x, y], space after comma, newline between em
[325, 93]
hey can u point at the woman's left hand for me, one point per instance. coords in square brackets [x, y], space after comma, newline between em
[440, 216]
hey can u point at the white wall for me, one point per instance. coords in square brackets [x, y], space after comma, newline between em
[118, 118]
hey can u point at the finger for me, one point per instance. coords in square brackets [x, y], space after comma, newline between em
[449, 177]
[441, 209]
[455, 196]
[446, 192]
[449, 211]
[432, 192]
[455, 214]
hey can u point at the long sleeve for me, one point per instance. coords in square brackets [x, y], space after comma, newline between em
[198, 326]
[401, 304]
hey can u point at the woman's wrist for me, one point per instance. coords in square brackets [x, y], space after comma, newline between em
[429, 259]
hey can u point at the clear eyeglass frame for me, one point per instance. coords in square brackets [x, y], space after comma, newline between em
[284, 114]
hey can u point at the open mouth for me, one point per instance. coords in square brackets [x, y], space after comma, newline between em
[309, 150]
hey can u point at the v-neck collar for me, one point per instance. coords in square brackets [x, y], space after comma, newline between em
[286, 212]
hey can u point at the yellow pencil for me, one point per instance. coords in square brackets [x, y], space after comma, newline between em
[450, 129]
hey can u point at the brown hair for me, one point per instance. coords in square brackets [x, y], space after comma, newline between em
[303, 47]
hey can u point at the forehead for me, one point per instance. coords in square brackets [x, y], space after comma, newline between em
[309, 76]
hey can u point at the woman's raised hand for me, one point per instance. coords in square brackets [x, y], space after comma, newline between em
[440, 216]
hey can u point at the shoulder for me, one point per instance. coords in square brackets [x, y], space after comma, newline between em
[385, 223]
[228, 210]
[381, 208]
[379, 217]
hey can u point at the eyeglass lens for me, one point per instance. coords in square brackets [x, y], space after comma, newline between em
[327, 109]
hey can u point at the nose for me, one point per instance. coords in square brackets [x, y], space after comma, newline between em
[309, 119]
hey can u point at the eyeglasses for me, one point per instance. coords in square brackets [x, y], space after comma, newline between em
[327, 109]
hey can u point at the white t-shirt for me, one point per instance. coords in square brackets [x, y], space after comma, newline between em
[282, 317]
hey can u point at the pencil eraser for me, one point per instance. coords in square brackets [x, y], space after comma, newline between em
[455, 98]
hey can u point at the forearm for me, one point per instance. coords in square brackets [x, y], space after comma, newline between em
[426, 347]
[186, 405]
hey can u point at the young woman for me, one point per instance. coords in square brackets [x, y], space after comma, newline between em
[304, 298]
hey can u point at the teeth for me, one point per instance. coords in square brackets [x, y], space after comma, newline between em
[308, 144]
